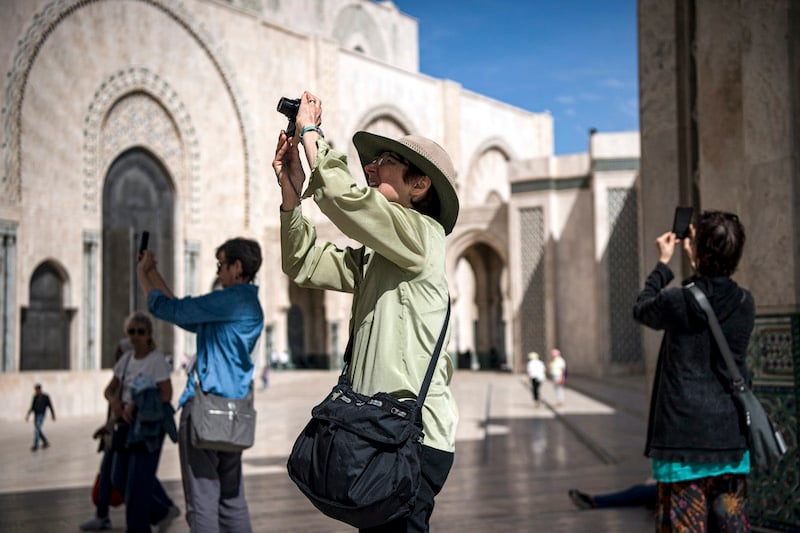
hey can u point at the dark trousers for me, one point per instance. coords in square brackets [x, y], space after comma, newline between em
[644, 495]
[146, 501]
[535, 388]
[104, 485]
[213, 485]
[436, 466]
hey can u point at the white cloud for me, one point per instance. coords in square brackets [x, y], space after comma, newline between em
[613, 83]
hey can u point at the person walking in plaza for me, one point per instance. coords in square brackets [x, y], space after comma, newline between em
[397, 275]
[39, 406]
[696, 439]
[228, 322]
[536, 372]
[557, 369]
[142, 370]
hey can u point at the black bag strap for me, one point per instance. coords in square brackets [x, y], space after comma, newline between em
[426, 383]
[124, 371]
[737, 380]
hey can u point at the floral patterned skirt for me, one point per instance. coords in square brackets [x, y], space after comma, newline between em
[705, 505]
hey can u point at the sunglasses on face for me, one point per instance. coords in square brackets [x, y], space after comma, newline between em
[137, 331]
[220, 264]
[389, 158]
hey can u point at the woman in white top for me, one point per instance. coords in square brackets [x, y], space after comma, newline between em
[146, 502]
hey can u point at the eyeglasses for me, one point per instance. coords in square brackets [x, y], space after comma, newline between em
[137, 331]
[220, 265]
[388, 158]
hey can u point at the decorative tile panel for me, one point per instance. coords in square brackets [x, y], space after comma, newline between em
[622, 256]
[773, 356]
[532, 309]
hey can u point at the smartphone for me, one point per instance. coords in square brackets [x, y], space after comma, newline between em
[683, 217]
[143, 242]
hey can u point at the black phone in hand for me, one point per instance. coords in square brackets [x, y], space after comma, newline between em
[680, 225]
[144, 241]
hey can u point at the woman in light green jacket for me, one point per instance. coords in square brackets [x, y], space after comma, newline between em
[397, 278]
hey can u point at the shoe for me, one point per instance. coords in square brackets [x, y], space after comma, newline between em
[581, 499]
[34, 448]
[46, 445]
[172, 513]
[96, 524]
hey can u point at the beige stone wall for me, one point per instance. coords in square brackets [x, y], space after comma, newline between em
[745, 102]
[572, 192]
[196, 83]
[746, 139]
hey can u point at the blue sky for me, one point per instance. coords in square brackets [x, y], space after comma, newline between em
[574, 58]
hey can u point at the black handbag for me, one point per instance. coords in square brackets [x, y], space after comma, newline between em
[766, 443]
[119, 436]
[358, 459]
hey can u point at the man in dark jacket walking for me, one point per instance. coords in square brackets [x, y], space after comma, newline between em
[41, 402]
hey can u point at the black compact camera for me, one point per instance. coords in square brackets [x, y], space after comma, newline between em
[289, 107]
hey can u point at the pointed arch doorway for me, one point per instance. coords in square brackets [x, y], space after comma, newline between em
[45, 329]
[479, 325]
[137, 196]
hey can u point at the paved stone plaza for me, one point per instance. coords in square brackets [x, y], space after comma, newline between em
[514, 463]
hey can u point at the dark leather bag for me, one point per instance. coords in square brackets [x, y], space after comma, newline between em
[358, 460]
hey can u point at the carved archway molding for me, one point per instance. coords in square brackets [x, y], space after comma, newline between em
[43, 24]
[180, 156]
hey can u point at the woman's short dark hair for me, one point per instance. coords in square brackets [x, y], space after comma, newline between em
[718, 242]
[429, 204]
[247, 251]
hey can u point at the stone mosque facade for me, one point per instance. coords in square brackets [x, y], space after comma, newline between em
[124, 116]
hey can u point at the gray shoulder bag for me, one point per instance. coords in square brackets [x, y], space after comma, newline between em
[222, 424]
[766, 443]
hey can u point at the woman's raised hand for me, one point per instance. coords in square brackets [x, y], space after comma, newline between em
[666, 246]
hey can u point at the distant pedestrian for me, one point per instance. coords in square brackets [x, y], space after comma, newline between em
[558, 373]
[39, 406]
[536, 372]
[265, 377]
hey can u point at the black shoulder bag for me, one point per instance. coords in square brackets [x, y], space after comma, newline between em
[766, 443]
[358, 459]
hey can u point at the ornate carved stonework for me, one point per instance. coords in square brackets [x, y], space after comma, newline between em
[136, 107]
[43, 25]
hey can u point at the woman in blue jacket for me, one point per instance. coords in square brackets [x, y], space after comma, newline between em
[228, 323]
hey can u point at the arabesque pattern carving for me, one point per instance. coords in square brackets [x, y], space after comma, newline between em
[138, 107]
[43, 25]
[531, 224]
[622, 255]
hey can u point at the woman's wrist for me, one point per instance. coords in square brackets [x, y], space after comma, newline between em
[314, 131]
